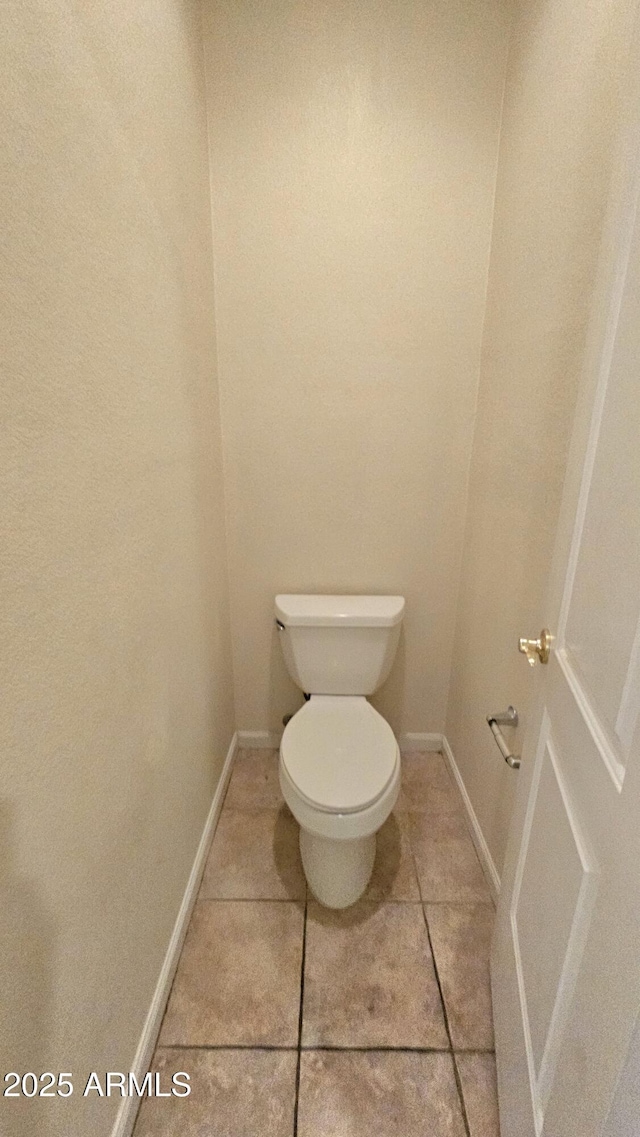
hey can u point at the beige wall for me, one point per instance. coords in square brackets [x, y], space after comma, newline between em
[114, 648]
[353, 164]
[559, 123]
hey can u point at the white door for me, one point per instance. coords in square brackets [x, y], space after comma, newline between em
[566, 953]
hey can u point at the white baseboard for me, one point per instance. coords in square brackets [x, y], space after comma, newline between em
[259, 739]
[409, 743]
[270, 740]
[482, 849]
[129, 1107]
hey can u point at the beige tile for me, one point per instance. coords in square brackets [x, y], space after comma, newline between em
[369, 978]
[446, 860]
[234, 1093]
[254, 782]
[427, 786]
[394, 872]
[351, 1094]
[238, 980]
[461, 938]
[478, 1077]
[255, 856]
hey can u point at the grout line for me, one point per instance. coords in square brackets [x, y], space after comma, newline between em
[449, 903]
[300, 900]
[300, 1015]
[415, 867]
[463, 1108]
[380, 1049]
[224, 1046]
[456, 1074]
[310, 1048]
[380, 903]
[383, 901]
[252, 899]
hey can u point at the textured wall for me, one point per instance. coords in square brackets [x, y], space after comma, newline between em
[559, 125]
[114, 646]
[353, 168]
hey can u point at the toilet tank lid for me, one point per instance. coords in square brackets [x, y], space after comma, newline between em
[340, 611]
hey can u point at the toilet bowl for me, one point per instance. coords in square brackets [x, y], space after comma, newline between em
[340, 777]
[339, 759]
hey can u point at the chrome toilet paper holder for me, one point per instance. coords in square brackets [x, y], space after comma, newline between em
[504, 718]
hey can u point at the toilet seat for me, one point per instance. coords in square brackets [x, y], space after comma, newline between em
[339, 754]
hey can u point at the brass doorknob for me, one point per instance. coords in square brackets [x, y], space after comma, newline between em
[536, 649]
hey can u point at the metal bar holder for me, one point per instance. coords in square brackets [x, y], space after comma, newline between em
[505, 718]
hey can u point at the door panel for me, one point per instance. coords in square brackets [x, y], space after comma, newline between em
[555, 850]
[553, 896]
[601, 637]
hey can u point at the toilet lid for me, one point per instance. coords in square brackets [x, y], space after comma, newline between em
[339, 753]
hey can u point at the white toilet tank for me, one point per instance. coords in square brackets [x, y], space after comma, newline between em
[339, 645]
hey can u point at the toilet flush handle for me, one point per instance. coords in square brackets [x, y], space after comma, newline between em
[279, 625]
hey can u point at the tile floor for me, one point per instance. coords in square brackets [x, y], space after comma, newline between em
[296, 1021]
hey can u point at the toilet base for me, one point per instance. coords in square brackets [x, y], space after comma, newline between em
[337, 872]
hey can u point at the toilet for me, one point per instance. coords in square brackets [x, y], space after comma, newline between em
[339, 759]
